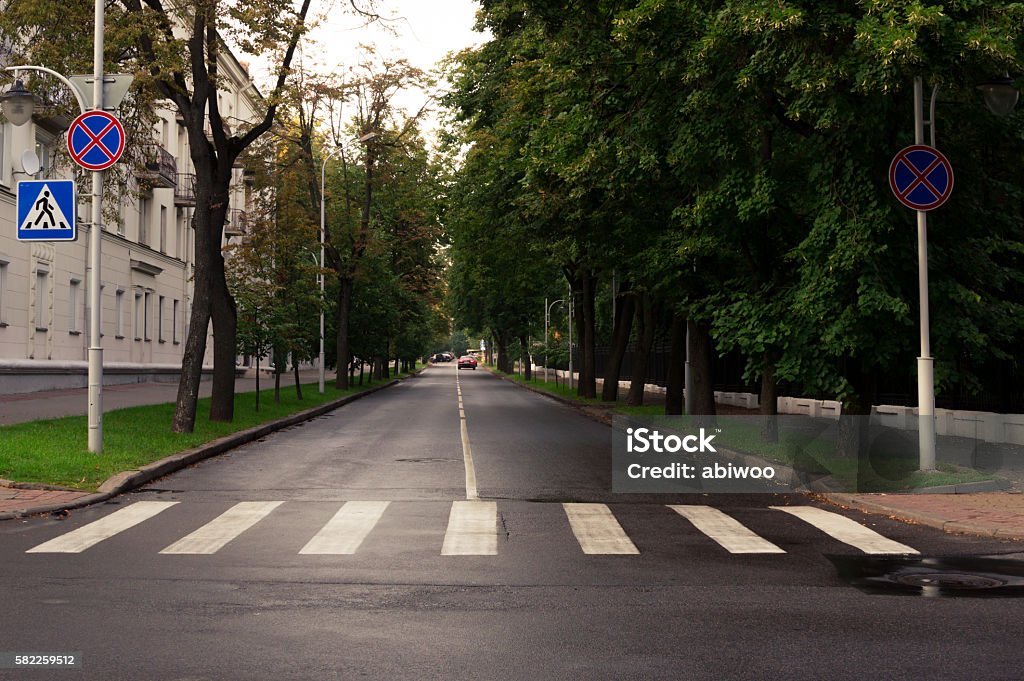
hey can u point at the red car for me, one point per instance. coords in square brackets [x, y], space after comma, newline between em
[467, 362]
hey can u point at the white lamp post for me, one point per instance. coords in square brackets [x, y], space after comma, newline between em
[547, 320]
[323, 169]
[20, 109]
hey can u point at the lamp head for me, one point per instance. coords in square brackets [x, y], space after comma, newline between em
[17, 104]
[1000, 95]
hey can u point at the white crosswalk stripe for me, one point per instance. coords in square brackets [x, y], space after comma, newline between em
[472, 529]
[79, 540]
[846, 530]
[347, 529]
[212, 536]
[733, 536]
[597, 530]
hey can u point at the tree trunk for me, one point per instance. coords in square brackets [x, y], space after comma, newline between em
[527, 368]
[645, 326]
[769, 405]
[257, 383]
[504, 361]
[362, 369]
[675, 384]
[700, 368]
[298, 384]
[379, 367]
[625, 305]
[398, 367]
[341, 340]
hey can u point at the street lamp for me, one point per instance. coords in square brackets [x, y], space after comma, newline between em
[17, 104]
[547, 320]
[323, 169]
[1000, 95]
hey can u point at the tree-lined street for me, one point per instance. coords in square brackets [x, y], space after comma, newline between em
[196, 591]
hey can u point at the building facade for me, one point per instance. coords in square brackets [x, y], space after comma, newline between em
[147, 257]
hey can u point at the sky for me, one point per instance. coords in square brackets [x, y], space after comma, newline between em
[421, 31]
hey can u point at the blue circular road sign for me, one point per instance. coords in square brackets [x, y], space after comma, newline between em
[921, 177]
[96, 140]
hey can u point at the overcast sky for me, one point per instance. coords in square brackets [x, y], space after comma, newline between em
[421, 31]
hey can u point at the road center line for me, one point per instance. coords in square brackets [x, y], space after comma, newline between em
[467, 451]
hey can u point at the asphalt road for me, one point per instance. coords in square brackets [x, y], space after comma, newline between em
[354, 547]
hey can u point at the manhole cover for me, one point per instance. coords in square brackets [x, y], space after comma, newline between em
[931, 577]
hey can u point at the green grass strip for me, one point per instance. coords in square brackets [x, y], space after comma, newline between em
[55, 451]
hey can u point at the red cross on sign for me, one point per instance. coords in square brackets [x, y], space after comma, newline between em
[96, 140]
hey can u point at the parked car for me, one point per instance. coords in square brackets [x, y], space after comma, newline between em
[467, 362]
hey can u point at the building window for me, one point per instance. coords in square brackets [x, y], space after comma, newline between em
[44, 151]
[3, 277]
[138, 316]
[160, 320]
[174, 321]
[119, 313]
[147, 314]
[73, 298]
[163, 229]
[42, 283]
[3, 154]
[144, 221]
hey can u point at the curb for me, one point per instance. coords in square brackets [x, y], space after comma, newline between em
[920, 517]
[125, 481]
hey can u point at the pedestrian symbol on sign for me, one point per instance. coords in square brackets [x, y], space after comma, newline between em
[43, 209]
[46, 210]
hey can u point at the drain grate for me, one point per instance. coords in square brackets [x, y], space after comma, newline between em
[933, 577]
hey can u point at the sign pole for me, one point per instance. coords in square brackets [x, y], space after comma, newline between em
[95, 241]
[925, 363]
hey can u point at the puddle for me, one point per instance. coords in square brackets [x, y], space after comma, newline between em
[964, 576]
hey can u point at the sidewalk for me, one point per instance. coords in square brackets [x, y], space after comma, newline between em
[51, 404]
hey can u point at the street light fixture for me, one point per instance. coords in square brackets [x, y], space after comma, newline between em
[1000, 95]
[18, 104]
[323, 169]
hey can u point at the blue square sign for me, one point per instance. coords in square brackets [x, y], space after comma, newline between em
[46, 210]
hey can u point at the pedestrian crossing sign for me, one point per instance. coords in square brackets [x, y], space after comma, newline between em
[46, 210]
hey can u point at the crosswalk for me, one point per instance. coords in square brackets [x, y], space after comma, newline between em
[472, 529]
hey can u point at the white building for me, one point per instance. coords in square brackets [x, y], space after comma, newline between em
[147, 259]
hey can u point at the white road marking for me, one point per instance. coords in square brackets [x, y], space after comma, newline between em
[472, 529]
[733, 536]
[467, 451]
[212, 536]
[348, 528]
[79, 540]
[597, 530]
[846, 530]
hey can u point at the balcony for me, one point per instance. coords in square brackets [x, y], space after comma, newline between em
[185, 190]
[236, 223]
[159, 169]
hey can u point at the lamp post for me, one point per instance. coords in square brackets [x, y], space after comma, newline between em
[1000, 97]
[547, 320]
[20, 108]
[323, 169]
